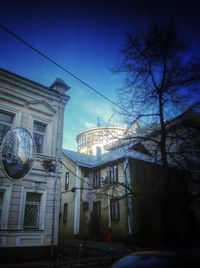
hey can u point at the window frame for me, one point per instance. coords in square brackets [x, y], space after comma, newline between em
[86, 173]
[100, 134]
[114, 209]
[65, 212]
[67, 181]
[1, 204]
[5, 123]
[85, 206]
[37, 205]
[112, 173]
[41, 133]
[96, 179]
[189, 147]
[42, 209]
[98, 208]
[7, 189]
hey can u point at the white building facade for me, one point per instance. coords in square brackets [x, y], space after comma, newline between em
[29, 207]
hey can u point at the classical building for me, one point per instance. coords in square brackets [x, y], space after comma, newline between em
[93, 141]
[29, 206]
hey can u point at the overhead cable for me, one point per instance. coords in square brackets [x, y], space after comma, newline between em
[60, 66]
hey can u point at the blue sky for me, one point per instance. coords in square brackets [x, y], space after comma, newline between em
[85, 37]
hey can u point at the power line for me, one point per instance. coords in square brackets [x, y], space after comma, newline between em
[81, 179]
[73, 189]
[66, 71]
[60, 66]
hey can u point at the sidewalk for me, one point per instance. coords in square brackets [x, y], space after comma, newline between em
[102, 246]
[78, 250]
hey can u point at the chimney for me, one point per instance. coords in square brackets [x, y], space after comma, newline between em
[60, 86]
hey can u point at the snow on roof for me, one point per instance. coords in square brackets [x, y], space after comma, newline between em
[78, 158]
[85, 160]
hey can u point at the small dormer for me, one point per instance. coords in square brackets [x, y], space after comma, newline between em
[60, 86]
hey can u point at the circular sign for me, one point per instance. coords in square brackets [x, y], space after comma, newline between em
[17, 153]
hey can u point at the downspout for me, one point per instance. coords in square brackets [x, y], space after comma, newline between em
[128, 196]
[56, 177]
[77, 202]
[109, 216]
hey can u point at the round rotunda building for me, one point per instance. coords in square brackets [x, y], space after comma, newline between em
[93, 140]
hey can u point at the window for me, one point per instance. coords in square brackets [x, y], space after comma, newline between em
[97, 209]
[32, 210]
[98, 151]
[100, 135]
[140, 172]
[189, 147]
[85, 206]
[114, 133]
[65, 213]
[106, 136]
[112, 174]
[1, 204]
[82, 141]
[114, 209]
[39, 134]
[86, 173]
[5, 196]
[60, 217]
[67, 181]
[91, 137]
[88, 139]
[95, 136]
[96, 179]
[6, 121]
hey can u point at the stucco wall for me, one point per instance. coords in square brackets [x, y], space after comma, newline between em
[104, 194]
[28, 101]
[160, 204]
[66, 230]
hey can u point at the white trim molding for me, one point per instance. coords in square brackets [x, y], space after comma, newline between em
[42, 207]
[7, 189]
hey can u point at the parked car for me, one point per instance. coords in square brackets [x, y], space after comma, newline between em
[160, 259]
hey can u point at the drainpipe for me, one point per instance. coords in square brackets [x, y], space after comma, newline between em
[109, 216]
[77, 202]
[56, 177]
[60, 86]
[128, 196]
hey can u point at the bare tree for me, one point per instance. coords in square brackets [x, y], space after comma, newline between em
[161, 80]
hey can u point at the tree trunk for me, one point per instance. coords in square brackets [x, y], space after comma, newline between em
[162, 133]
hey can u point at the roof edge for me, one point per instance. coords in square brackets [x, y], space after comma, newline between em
[27, 80]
